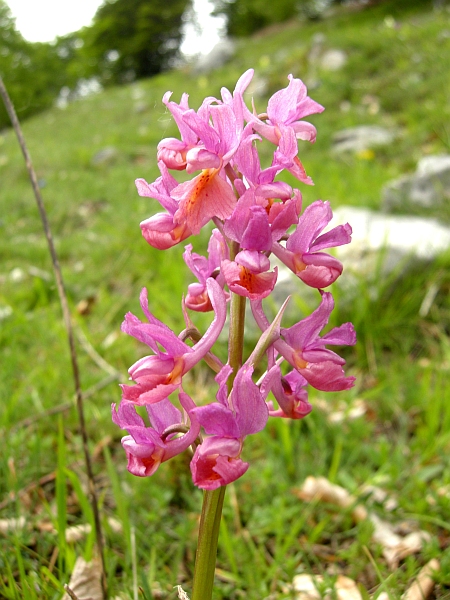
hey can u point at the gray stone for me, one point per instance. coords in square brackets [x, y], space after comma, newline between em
[388, 241]
[219, 56]
[362, 137]
[428, 187]
[333, 60]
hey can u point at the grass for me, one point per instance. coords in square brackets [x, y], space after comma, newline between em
[399, 58]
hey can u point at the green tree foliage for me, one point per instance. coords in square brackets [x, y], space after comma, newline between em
[130, 39]
[33, 73]
[244, 17]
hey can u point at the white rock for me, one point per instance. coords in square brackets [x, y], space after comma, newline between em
[397, 237]
[333, 60]
[428, 187]
[362, 137]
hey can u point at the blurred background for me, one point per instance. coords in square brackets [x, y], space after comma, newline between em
[90, 104]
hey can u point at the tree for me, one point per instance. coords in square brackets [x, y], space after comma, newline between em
[33, 73]
[130, 39]
[244, 17]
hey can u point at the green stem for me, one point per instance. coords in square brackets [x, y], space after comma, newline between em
[208, 535]
[236, 336]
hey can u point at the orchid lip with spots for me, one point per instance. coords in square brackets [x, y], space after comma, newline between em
[253, 215]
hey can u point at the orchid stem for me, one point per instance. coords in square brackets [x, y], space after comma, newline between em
[208, 535]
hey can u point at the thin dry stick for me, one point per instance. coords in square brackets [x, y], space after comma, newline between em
[70, 592]
[67, 321]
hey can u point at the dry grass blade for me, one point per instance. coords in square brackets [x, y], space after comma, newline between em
[424, 583]
[67, 320]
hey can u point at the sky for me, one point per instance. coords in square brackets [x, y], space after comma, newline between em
[44, 20]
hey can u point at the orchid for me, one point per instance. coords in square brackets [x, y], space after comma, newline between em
[302, 252]
[305, 350]
[217, 460]
[161, 231]
[256, 216]
[147, 447]
[160, 374]
[197, 297]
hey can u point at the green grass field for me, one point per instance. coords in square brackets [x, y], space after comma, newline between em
[398, 441]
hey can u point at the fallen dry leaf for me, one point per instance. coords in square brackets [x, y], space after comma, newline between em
[85, 582]
[7, 525]
[306, 586]
[423, 584]
[181, 593]
[342, 411]
[77, 532]
[319, 488]
[395, 546]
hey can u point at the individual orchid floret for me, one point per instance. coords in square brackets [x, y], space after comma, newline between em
[161, 231]
[147, 447]
[248, 275]
[197, 297]
[288, 107]
[302, 347]
[209, 194]
[241, 413]
[236, 100]
[282, 125]
[217, 460]
[291, 395]
[172, 151]
[160, 374]
[302, 253]
[206, 196]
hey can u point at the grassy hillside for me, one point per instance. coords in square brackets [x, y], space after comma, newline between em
[396, 75]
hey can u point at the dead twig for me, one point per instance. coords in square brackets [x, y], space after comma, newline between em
[67, 321]
[70, 593]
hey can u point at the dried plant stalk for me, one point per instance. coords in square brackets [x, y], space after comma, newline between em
[67, 322]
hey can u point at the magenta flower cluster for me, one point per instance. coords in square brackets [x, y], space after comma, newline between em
[256, 216]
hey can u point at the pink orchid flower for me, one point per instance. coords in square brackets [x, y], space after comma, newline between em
[302, 253]
[305, 350]
[283, 125]
[287, 107]
[291, 395]
[208, 195]
[160, 374]
[147, 447]
[170, 150]
[248, 275]
[217, 460]
[197, 297]
[161, 231]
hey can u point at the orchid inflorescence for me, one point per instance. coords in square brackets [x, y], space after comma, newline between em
[256, 217]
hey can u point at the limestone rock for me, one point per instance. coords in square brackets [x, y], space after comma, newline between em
[392, 239]
[333, 60]
[362, 137]
[427, 188]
